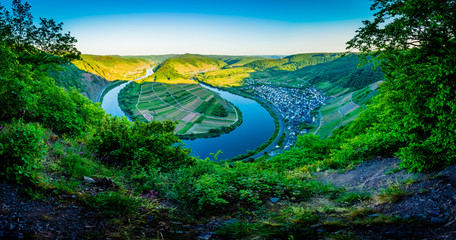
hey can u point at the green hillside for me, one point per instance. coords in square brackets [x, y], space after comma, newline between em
[182, 68]
[342, 73]
[293, 62]
[70, 76]
[114, 67]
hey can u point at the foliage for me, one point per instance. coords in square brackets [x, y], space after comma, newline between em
[214, 186]
[364, 146]
[219, 111]
[309, 150]
[120, 142]
[22, 145]
[291, 63]
[342, 72]
[15, 87]
[76, 166]
[69, 77]
[65, 111]
[417, 48]
[36, 45]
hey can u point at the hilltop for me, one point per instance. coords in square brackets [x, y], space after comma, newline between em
[114, 67]
[182, 68]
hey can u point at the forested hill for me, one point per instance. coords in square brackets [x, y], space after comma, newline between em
[343, 72]
[88, 84]
[293, 62]
[114, 67]
[181, 68]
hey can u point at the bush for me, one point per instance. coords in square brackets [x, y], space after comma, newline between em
[214, 186]
[21, 147]
[363, 147]
[122, 143]
[309, 151]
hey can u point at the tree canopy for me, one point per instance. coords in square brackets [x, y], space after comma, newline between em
[415, 41]
[36, 45]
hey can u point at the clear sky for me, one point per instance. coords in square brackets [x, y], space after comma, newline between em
[235, 27]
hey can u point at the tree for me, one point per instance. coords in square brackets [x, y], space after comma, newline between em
[35, 45]
[415, 41]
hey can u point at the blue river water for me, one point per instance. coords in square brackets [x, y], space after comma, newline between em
[257, 126]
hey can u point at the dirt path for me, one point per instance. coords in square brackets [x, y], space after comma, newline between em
[423, 204]
[370, 176]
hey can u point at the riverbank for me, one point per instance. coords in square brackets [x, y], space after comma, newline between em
[272, 142]
[108, 88]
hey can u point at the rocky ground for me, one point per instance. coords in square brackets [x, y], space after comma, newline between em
[425, 205]
[59, 217]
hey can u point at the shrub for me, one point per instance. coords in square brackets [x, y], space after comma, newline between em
[120, 142]
[364, 146]
[21, 147]
[213, 186]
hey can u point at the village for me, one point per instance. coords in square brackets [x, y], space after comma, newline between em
[294, 105]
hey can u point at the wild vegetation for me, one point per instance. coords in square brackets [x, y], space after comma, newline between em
[57, 142]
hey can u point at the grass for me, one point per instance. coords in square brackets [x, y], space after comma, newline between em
[354, 197]
[115, 203]
[392, 194]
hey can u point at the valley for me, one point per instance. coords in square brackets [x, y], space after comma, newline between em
[296, 97]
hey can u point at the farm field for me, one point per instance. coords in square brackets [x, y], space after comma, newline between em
[196, 109]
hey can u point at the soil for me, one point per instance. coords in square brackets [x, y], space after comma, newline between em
[59, 217]
[427, 211]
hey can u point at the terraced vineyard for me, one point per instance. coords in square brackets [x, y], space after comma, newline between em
[344, 108]
[196, 109]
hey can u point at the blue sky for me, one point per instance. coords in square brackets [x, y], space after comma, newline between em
[236, 27]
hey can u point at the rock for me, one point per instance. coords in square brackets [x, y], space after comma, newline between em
[105, 182]
[274, 199]
[315, 225]
[434, 213]
[88, 180]
[437, 220]
[448, 224]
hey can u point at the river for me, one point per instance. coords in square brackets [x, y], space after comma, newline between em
[257, 126]
[110, 101]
